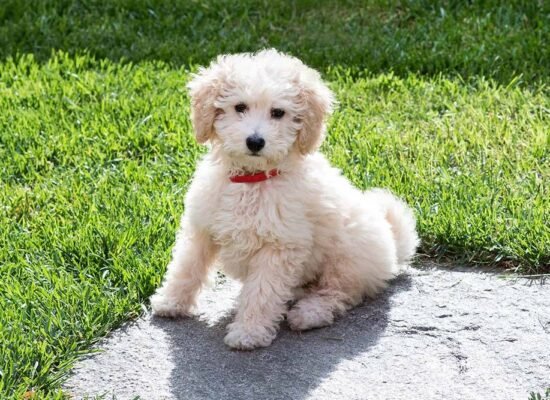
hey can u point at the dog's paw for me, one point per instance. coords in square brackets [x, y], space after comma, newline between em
[306, 316]
[243, 337]
[169, 307]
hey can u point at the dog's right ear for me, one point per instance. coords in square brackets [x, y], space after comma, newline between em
[204, 88]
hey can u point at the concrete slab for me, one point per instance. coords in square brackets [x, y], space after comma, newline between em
[434, 334]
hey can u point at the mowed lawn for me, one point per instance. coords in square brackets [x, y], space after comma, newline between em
[447, 105]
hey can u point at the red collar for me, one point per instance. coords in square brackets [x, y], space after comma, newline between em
[254, 178]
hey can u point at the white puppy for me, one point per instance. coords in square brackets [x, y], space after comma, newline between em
[270, 208]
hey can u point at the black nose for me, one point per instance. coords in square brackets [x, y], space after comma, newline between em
[255, 143]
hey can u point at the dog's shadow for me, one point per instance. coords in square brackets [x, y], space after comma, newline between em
[291, 368]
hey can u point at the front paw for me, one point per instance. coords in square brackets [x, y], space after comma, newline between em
[164, 306]
[244, 337]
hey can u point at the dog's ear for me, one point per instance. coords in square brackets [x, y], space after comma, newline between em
[204, 88]
[316, 101]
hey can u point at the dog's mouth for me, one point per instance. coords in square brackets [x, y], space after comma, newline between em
[254, 154]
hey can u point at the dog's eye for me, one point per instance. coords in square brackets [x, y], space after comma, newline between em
[277, 113]
[241, 107]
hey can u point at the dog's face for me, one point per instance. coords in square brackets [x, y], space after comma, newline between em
[259, 108]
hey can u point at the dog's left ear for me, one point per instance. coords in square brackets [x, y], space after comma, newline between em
[316, 102]
[204, 88]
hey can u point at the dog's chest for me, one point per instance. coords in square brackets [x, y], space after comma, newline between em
[247, 217]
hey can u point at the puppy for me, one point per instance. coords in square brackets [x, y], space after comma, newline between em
[272, 211]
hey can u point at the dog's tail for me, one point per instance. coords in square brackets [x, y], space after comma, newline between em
[402, 221]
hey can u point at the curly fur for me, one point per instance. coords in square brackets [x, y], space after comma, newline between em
[306, 236]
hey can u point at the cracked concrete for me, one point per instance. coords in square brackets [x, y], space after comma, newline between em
[434, 334]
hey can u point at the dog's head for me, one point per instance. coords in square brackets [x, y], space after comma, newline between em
[259, 108]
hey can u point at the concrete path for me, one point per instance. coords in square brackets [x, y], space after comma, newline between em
[434, 334]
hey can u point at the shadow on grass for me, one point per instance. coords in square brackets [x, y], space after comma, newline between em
[496, 39]
[291, 368]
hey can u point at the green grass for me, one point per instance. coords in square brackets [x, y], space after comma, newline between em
[469, 158]
[95, 158]
[96, 146]
[538, 396]
[497, 39]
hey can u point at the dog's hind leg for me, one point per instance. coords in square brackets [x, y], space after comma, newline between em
[330, 297]
[359, 265]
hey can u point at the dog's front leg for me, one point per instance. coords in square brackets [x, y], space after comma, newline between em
[262, 302]
[193, 253]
